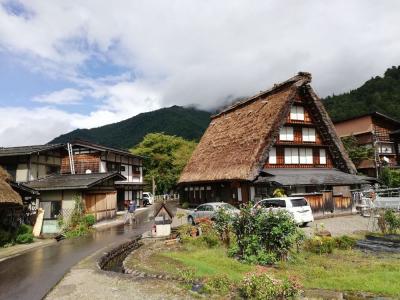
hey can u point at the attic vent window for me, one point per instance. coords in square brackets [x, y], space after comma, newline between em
[297, 113]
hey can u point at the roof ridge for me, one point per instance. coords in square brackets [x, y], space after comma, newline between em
[300, 79]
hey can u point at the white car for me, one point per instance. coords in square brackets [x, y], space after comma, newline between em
[148, 198]
[208, 210]
[298, 207]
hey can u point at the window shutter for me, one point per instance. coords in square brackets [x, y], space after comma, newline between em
[295, 155]
[311, 134]
[300, 113]
[322, 156]
[305, 134]
[309, 156]
[288, 156]
[289, 133]
[293, 113]
[272, 156]
[286, 134]
[302, 153]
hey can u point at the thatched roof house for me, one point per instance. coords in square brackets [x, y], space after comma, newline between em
[246, 140]
[8, 196]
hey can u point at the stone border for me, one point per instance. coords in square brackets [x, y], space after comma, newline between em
[115, 252]
[142, 274]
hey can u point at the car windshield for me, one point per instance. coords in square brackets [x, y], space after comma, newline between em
[272, 203]
[227, 206]
[299, 202]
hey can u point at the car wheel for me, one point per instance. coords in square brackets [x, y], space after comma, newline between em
[304, 224]
[191, 220]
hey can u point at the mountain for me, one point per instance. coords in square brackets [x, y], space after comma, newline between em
[377, 94]
[188, 123]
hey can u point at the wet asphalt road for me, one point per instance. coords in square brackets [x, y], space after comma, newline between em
[33, 274]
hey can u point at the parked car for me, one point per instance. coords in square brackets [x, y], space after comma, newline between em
[208, 210]
[148, 198]
[298, 207]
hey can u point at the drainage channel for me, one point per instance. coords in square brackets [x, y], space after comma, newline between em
[112, 260]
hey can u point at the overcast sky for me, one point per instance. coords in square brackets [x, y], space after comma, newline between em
[82, 64]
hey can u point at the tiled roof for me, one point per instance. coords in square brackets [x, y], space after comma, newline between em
[26, 150]
[72, 181]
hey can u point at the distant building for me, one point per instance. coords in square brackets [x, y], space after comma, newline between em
[282, 137]
[374, 130]
[105, 178]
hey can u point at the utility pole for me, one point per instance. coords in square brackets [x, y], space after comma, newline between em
[153, 185]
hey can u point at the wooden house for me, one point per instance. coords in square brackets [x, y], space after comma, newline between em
[105, 178]
[10, 201]
[373, 130]
[282, 137]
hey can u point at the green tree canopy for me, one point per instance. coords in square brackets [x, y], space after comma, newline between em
[356, 152]
[165, 158]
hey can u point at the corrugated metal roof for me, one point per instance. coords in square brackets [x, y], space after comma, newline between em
[72, 181]
[26, 150]
[312, 176]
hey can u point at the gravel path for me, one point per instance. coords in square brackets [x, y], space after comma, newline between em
[341, 225]
[85, 281]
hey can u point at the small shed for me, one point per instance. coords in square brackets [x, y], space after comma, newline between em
[162, 220]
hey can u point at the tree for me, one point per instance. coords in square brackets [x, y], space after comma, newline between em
[165, 156]
[356, 152]
[390, 178]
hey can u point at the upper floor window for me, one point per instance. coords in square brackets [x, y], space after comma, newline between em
[272, 156]
[308, 134]
[322, 156]
[306, 155]
[297, 113]
[385, 148]
[286, 134]
[291, 155]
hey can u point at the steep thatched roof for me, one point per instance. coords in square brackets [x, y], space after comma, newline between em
[7, 195]
[238, 139]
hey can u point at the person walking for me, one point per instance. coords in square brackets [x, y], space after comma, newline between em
[130, 213]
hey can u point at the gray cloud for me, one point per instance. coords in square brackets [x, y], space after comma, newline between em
[205, 52]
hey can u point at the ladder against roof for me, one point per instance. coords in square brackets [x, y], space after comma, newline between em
[71, 158]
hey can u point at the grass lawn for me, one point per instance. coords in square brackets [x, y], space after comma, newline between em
[346, 270]
[210, 261]
[343, 270]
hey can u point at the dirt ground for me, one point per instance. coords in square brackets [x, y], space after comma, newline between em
[85, 281]
[341, 225]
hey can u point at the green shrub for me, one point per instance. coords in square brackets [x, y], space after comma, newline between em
[223, 225]
[187, 275]
[320, 245]
[185, 205]
[24, 238]
[392, 221]
[210, 240]
[78, 224]
[23, 228]
[219, 284]
[6, 237]
[263, 286]
[344, 242]
[264, 234]
[90, 220]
